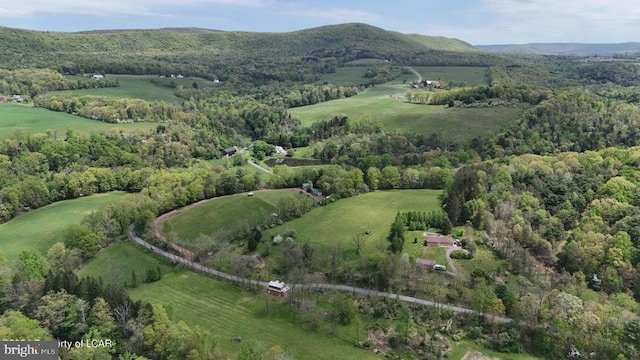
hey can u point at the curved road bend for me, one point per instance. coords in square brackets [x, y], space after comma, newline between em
[214, 272]
[415, 72]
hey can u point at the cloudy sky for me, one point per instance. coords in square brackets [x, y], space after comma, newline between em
[474, 21]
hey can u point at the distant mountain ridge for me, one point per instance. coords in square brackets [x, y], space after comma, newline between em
[322, 39]
[566, 48]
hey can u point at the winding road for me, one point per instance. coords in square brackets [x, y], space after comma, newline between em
[199, 267]
[415, 72]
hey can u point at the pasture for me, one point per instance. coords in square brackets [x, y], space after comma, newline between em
[338, 222]
[228, 311]
[380, 104]
[142, 87]
[116, 263]
[25, 119]
[343, 76]
[41, 228]
[224, 213]
[473, 76]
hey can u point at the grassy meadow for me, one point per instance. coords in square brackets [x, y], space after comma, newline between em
[41, 228]
[380, 104]
[224, 212]
[337, 222]
[141, 87]
[116, 263]
[228, 311]
[25, 119]
[471, 75]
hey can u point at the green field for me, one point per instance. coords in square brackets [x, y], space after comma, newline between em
[380, 104]
[29, 120]
[41, 228]
[116, 262]
[471, 75]
[350, 75]
[225, 212]
[227, 311]
[141, 87]
[336, 223]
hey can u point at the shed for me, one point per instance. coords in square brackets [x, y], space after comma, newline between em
[425, 262]
[230, 150]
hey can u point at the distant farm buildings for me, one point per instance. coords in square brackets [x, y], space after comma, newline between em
[278, 288]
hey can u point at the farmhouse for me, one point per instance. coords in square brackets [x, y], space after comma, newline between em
[230, 151]
[98, 76]
[425, 262]
[1, 99]
[278, 288]
[17, 98]
[432, 239]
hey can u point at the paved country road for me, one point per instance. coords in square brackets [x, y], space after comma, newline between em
[197, 266]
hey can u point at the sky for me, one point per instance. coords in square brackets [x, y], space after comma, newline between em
[475, 21]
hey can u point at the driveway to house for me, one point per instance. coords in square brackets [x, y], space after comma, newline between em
[258, 167]
[415, 72]
[452, 266]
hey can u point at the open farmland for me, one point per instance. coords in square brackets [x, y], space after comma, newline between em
[337, 222]
[25, 119]
[142, 87]
[227, 311]
[41, 228]
[381, 105]
[471, 75]
[116, 263]
[224, 213]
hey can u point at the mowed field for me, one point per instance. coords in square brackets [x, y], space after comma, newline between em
[141, 87]
[380, 104]
[25, 119]
[473, 76]
[225, 212]
[116, 263]
[336, 223]
[41, 228]
[227, 311]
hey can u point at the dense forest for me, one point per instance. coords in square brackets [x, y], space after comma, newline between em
[553, 193]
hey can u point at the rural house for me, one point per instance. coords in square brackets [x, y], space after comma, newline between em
[230, 151]
[98, 76]
[278, 288]
[432, 239]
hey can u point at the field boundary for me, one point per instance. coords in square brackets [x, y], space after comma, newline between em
[356, 290]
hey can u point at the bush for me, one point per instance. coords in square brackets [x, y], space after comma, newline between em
[459, 254]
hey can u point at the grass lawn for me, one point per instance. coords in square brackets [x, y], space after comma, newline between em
[28, 120]
[460, 348]
[225, 212]
[379, 104]
[227, 311]
[41, 228]
[435, 253]
[141, 87]
[116, 262]
[484, 259]
[337, 222]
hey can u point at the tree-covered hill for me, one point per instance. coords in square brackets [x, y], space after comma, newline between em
[332, 38]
